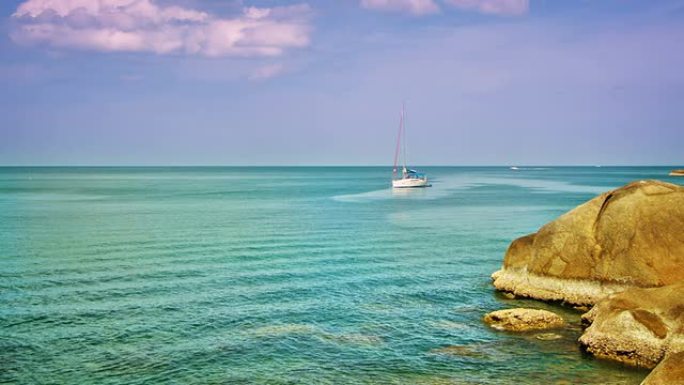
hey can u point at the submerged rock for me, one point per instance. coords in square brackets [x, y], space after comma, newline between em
[360, 339]
[627, 237]
[670, 371]
[638, 326]
[548, 336]
[521, 319]
[283, 329]
[460, 350]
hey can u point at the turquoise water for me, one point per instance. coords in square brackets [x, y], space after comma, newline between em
[278, 276]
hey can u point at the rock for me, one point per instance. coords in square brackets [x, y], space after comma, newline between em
[638, 326]
[548, 336]
[284, 329]
[670, 371]
[521, 319]
[679, 172]
[360, 339]
[582, 308]
[627, 237]
[460, 350]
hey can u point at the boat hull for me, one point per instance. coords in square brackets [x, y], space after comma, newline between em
[410, 183]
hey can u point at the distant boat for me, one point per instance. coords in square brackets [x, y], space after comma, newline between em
[409, 178]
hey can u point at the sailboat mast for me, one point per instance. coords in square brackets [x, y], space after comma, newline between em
[403, 126]
[398, 148]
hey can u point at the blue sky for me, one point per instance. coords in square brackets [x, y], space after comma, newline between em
[220, 82]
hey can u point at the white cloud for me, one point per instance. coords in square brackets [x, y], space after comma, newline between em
[414, 7]
[266, 72]
[145, 26]
[496, 7]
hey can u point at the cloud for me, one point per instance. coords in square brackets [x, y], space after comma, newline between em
[495, 7]
[145, 26]
[266, 72]
[414, 7]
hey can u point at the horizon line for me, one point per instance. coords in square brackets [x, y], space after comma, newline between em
[325, 165]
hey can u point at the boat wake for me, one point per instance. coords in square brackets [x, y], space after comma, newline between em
[365, 196]
[452, 184]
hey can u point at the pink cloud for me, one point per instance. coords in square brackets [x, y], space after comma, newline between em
[496, 7]
[144, 26]
[414, 7]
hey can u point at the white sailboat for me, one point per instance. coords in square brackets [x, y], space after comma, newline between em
[409, 178]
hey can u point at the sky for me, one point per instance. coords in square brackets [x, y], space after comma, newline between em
[230, 82]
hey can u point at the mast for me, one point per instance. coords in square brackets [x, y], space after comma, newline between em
[398, 148]
[403, 126]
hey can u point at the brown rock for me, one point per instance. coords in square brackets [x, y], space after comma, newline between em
[582, 308]
[632, 236]
[670, 371]
[638, 326]
[679, 172]
[521, 319]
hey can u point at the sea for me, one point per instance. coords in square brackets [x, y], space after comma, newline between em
[280, 275]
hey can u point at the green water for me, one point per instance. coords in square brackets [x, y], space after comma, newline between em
[278, 276]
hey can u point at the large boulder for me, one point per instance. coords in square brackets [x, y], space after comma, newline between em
[522, 319]
[638, 326]
[670, 371]
[632, 236]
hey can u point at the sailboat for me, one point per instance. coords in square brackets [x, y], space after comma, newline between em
[409, 178]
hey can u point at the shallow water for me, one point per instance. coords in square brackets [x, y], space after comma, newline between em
[278, 276]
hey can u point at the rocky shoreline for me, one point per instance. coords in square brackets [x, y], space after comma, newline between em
[574, 292]
[637, 327]
[622, 255]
